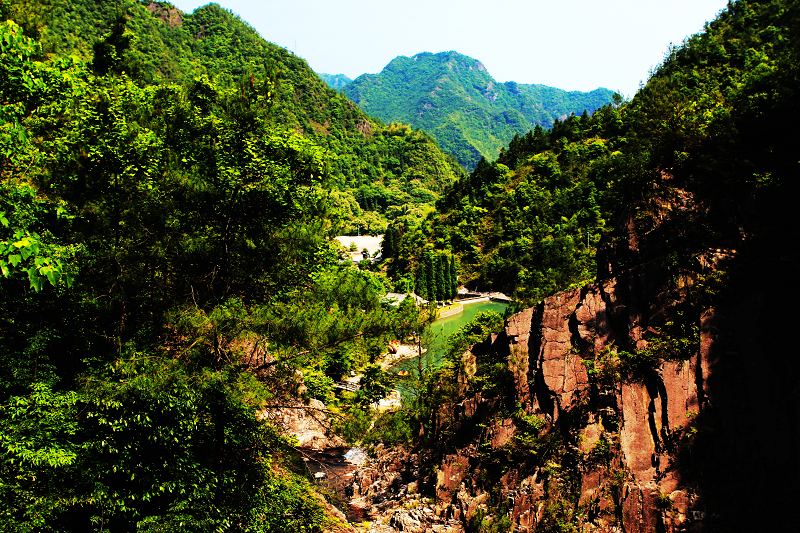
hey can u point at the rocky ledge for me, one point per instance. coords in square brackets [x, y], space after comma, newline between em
[572, 428]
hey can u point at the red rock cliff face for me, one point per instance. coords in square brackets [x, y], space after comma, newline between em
[552, 424]
[614, 399]
[618, 441]
[657, 399]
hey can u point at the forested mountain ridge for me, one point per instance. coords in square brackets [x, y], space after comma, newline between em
[374, 166]
[454, 98]
[336, 82]
[167, 280]
[531, 221]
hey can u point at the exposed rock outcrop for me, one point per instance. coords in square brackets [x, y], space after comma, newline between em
[578, 430]
[385, 492]
[661, 398]
[308, 423]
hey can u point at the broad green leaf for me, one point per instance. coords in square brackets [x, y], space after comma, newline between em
[23, 243]
[53, 276]
[35, 279]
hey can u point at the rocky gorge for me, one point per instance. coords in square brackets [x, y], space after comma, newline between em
[651, 400]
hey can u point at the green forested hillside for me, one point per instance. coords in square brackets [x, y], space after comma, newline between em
[169, 184]
[454, 98]
[375, 167]
[686, 194]
[531, 221]
[528, 224]
[167, 270]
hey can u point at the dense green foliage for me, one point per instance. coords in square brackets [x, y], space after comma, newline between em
[169, 185]
[169, 189]
[374, 167]
[433, 390]
[529, 223]
[454, 99]
[436, 278]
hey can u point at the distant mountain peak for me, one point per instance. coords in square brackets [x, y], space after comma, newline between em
[452, 59]
[336, 82]
[454, 98]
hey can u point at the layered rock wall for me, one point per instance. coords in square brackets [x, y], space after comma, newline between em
[553, 353]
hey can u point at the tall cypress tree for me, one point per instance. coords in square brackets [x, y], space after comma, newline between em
[453, 277]
[442, 277]
[422, 280]
[388, 246]
[430, 271]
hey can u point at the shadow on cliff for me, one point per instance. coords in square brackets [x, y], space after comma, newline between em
[743, 453]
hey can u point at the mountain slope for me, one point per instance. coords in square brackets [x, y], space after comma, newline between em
[376, 166]
[168, 188]
[456, 100]
[337, 82]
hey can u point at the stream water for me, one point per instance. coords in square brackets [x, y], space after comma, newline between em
[333, 467]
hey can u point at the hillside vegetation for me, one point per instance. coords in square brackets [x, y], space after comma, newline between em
[375, 167]
[169, 187]
[658, 393]
[454, 99]
[336, 82]
[531, 221]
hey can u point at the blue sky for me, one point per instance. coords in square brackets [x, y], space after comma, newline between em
[571, 44]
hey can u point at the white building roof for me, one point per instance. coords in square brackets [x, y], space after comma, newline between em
[370, 242]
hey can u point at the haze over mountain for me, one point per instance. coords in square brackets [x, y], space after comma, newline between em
[455, 99]
[336, 82]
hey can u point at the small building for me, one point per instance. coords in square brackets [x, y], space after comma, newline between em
[371, 243]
